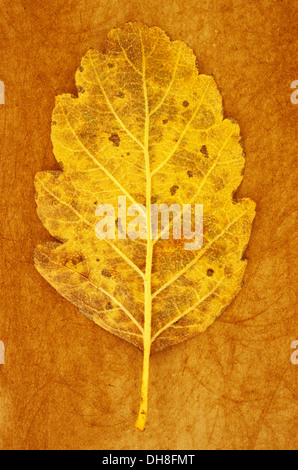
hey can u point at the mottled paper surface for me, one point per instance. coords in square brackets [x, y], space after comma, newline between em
[232, 387]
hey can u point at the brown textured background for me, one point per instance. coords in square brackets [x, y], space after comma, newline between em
[68, 384]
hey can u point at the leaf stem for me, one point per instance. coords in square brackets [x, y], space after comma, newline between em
[141, 420]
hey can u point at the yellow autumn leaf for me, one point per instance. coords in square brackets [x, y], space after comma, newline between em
[145, 126]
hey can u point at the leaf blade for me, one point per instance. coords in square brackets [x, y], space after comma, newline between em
[146, 126]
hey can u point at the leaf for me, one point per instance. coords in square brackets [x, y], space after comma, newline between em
[147, 126]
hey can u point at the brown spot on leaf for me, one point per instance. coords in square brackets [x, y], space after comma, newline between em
[174, 189]
[204, 151]
[210, 272]
[109, 306]
[118, 224]
[106, 273]
[185, 103]
[110, 65]
[165, 121]
[76, 260]
[115, 139]
[120, 94]
[190, 173]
